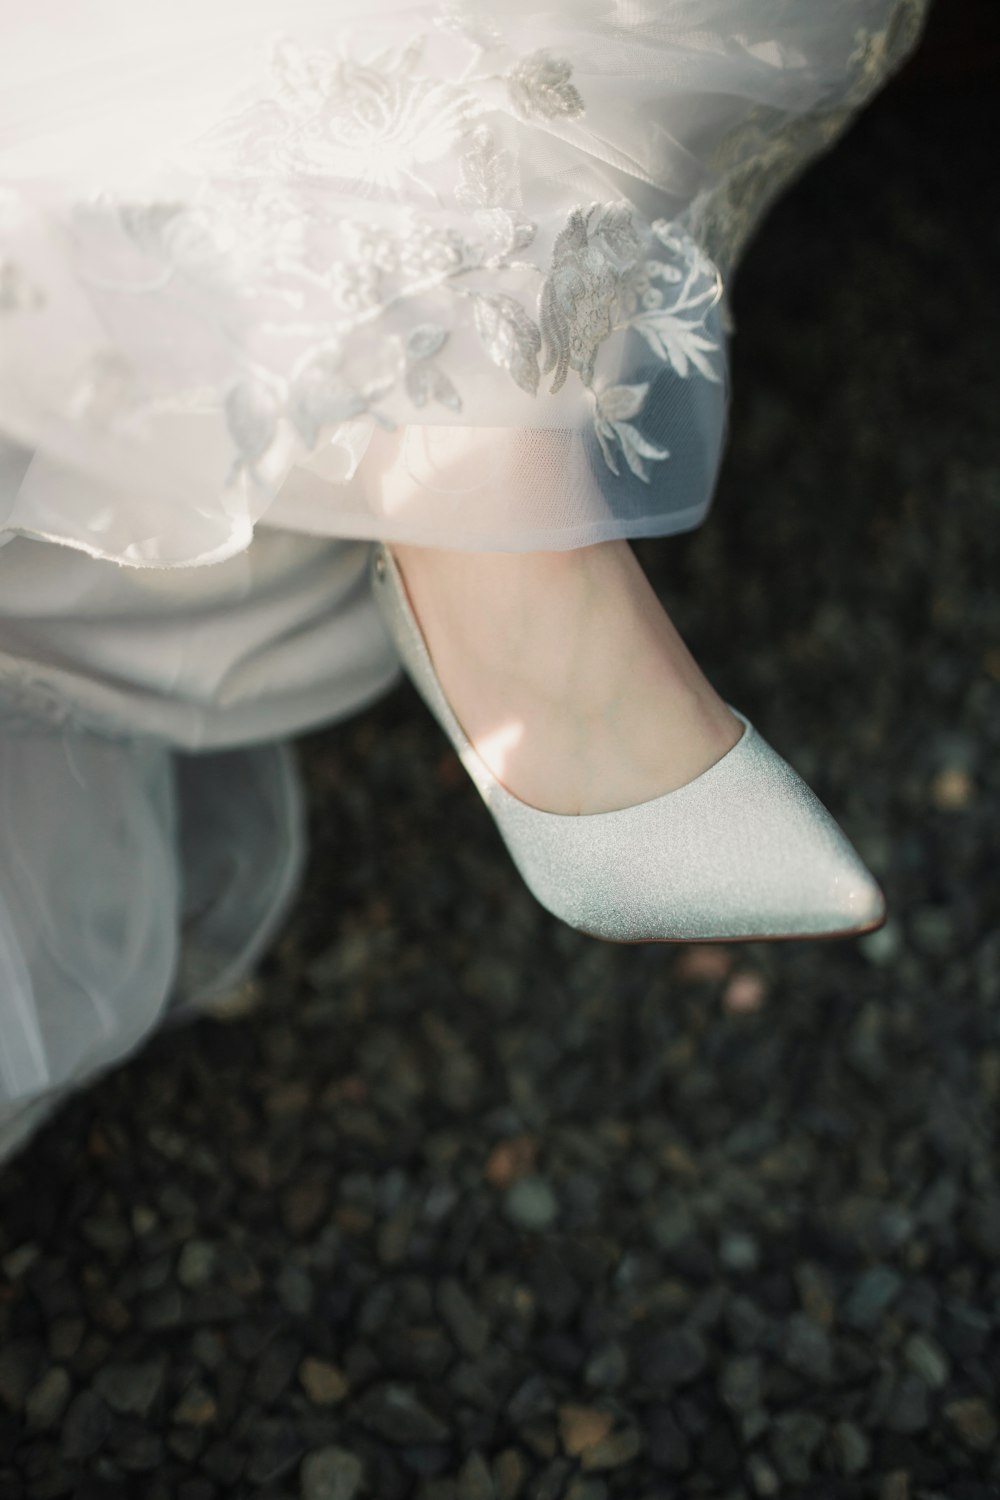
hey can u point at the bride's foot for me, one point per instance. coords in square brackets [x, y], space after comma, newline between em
[566, 673]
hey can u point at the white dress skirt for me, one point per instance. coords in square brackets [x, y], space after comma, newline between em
[281, 277]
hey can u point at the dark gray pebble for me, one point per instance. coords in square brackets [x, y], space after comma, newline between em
[399, 1416]
[86, 1427]
[331, 1473]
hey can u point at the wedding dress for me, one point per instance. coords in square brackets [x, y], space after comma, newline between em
[252, 255]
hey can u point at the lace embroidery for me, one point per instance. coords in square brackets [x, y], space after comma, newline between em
[265, 232]
[540, 88]
[757, 161]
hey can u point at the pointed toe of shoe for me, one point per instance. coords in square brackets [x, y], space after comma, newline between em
[857, 903]
[808, 879]
[746, 851]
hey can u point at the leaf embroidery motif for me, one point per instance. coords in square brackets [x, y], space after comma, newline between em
[320, 397]
[613, 407]
[423, 380]
[678, 342]
[510, 337]
[577, 298]
[539, 87]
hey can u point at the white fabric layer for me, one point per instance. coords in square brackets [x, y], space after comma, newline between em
[237, 242]
[152, 826]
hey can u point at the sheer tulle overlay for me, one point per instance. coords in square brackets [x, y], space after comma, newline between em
[280, 277]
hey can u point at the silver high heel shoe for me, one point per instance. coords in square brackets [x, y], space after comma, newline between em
[744, 851]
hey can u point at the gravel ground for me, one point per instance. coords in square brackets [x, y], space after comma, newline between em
[465, 1206]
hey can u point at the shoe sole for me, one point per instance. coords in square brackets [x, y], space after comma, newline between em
[763, 937]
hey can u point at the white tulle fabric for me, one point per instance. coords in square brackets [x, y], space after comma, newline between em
[280, 277]
[237, 241]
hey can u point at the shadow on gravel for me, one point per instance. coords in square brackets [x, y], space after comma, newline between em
[465, 1206]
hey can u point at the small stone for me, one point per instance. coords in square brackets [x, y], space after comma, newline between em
[510, 1160]
[924, 1354]
[762, 1476]
[196, 1263]
[851, 1448]
[130, 1389]
[295, 1291]
[550, 1483]
[816, 1293]
[330, 1473]
[141, 1453]
[669, 1447]
[467, 1325]
[895, 1486]
[275, 1370]
[704, 961]
[223, 1462]
[19, 1364]
[86, 1427]
[672, 1223]
[241, 1273]
[952, 789]
[393, 1239]
[983, 1226]
[106, 1232]
[46, 1401]
[745, 992]
[197, 1407]
[907, 1409]
[164, 1309]
[583, 1488]
[745, 1323]
[933, 930]
[530, 1203]
[65, 1337]
[437, 1489]
[144, 1221]
[475, 1482]
[741, 1382]
[192, 1489]
[975, 1422]
[670, 1356]
[397, 1415]
[304, 1205]
[208, 1348]
[894, 1227]
[531, 1399]
[964, 1329]
[739, 1251]
[554, 1286]
[938, 1204]
[613, 1452]
[510, 1470]
[882, 947]
[322, 1382]
[540, 1437]
[607, 1367]
[872, 1294]
[806, 1347]
[794, 1438]
[19, 1260]
[277, 1450]
[582, 1426]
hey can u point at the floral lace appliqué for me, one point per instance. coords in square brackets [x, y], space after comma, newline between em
[325, 315]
